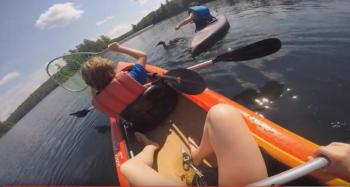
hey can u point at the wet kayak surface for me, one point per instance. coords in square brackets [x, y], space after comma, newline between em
[304, 87]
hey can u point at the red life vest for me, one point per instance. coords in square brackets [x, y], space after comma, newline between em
[118, 94]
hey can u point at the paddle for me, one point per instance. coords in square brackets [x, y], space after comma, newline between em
[294, 173]
[82, 113]
[182, 80]
[255, 50]
[187, 81]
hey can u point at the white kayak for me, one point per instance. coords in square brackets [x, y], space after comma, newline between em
[209, 35]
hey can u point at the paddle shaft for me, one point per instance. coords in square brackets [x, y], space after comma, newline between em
[294, 173]
[202, 65]
[177, 79]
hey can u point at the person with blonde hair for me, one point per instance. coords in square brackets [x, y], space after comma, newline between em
[113, 91]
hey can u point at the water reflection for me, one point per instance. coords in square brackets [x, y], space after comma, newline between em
[261, 98]
[341, 125]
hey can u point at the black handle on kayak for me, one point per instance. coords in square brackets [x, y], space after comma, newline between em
[124, 126]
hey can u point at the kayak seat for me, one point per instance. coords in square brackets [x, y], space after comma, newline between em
[151, 108]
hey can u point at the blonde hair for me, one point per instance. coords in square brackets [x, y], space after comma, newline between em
[98, 72]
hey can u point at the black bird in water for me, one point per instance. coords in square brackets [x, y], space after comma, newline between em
[172, 43]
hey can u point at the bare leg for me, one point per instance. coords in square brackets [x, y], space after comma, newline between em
[147, 154]
[239, 158]
[204, 149]
[138, 170]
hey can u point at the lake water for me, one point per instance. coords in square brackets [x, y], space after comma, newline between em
[304, 87]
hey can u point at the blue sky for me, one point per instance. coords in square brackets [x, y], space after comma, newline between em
[34, 32]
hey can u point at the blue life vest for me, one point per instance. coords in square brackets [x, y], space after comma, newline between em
[202, 16]
[138, 72]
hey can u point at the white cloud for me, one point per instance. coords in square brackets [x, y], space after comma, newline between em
[119, 30]
[58, 15]
[9, 77]
[104, 20]
[141, 2]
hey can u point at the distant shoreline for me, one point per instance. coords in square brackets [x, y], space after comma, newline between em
[136, 34]
[165, 11]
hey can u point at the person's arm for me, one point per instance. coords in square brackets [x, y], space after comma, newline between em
[141, 57]
[186, 21]
[339, 156]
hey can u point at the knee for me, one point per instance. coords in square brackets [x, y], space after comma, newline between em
[125, 168]
[220, 113]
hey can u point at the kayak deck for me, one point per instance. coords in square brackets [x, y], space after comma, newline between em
[186, 120]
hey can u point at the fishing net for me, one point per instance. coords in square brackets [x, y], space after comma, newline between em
[65, 70]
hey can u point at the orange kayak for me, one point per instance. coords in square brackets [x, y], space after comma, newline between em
[187, 119]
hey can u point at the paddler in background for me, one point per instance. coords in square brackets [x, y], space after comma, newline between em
[199, 14]
[113, 90]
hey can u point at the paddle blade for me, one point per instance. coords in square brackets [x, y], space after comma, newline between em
[185, 80]
[252, 51]
[81, 113]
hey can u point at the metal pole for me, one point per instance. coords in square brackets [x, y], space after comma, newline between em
[294, 173]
